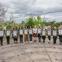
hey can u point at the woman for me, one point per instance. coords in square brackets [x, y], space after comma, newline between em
[49, 32]
[54, 32]
[30, 34]
[8, 34]
[1, 36]
[39, 34]
[15, 35]
[21, 35]
[43, 34]
[35, 34]
[60, 34]
[26, 35]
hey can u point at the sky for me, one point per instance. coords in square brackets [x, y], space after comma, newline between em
[19, 9]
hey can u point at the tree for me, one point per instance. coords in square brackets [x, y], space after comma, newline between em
[29, 22]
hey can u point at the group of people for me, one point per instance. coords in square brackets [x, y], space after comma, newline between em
[31, 34]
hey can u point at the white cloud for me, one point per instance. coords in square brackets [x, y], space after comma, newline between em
[33, 7]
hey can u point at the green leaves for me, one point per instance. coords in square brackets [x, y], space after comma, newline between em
[29, 22]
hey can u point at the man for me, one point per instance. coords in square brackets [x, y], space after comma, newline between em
[39, 34]
[44, 34]
[8, 35]
[26, 35]
[21, 35]
[15, 35]
[1, 36]
[35, 34]
[49, 32]
[54, 32]
[60, 34]
[30, 34]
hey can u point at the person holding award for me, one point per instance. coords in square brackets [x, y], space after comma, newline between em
[44, 34]
[8, 35]
[26, 35]
[30, 34]
[21, 35]
[1, 36]
[35, 34]
[15, 35]
[54, 33]
[49, 33]
[39, 34]
[60, 33]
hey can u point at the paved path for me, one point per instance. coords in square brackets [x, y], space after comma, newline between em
[31, 53]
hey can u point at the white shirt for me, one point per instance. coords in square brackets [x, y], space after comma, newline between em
[60, 31]
[54, 32]
[1, 33]
[8, 33]
[49, 32]
[30, 31]
[39, 30]
[14, 33]
[43, 32]
[26, 31]
[21, 32]
[34, 30]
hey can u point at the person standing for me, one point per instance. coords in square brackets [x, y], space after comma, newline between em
[1, 36]
[60, 34]
[49, 32]
[35, 34]
[15, 35]
[30, 34]
[43, 34]
[54, 33]
[26, 35]
[39, 34]
[8, 35]
[21, 35]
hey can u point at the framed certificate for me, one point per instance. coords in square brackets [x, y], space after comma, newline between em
[43, 32]
[8, 33]
[30, 31]
[26, 31]
[39, 30]
[54, 33]
[60, 31]
[1, 33]
[35, 30]
[14, 33]
[21, 32]
[49, 32]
